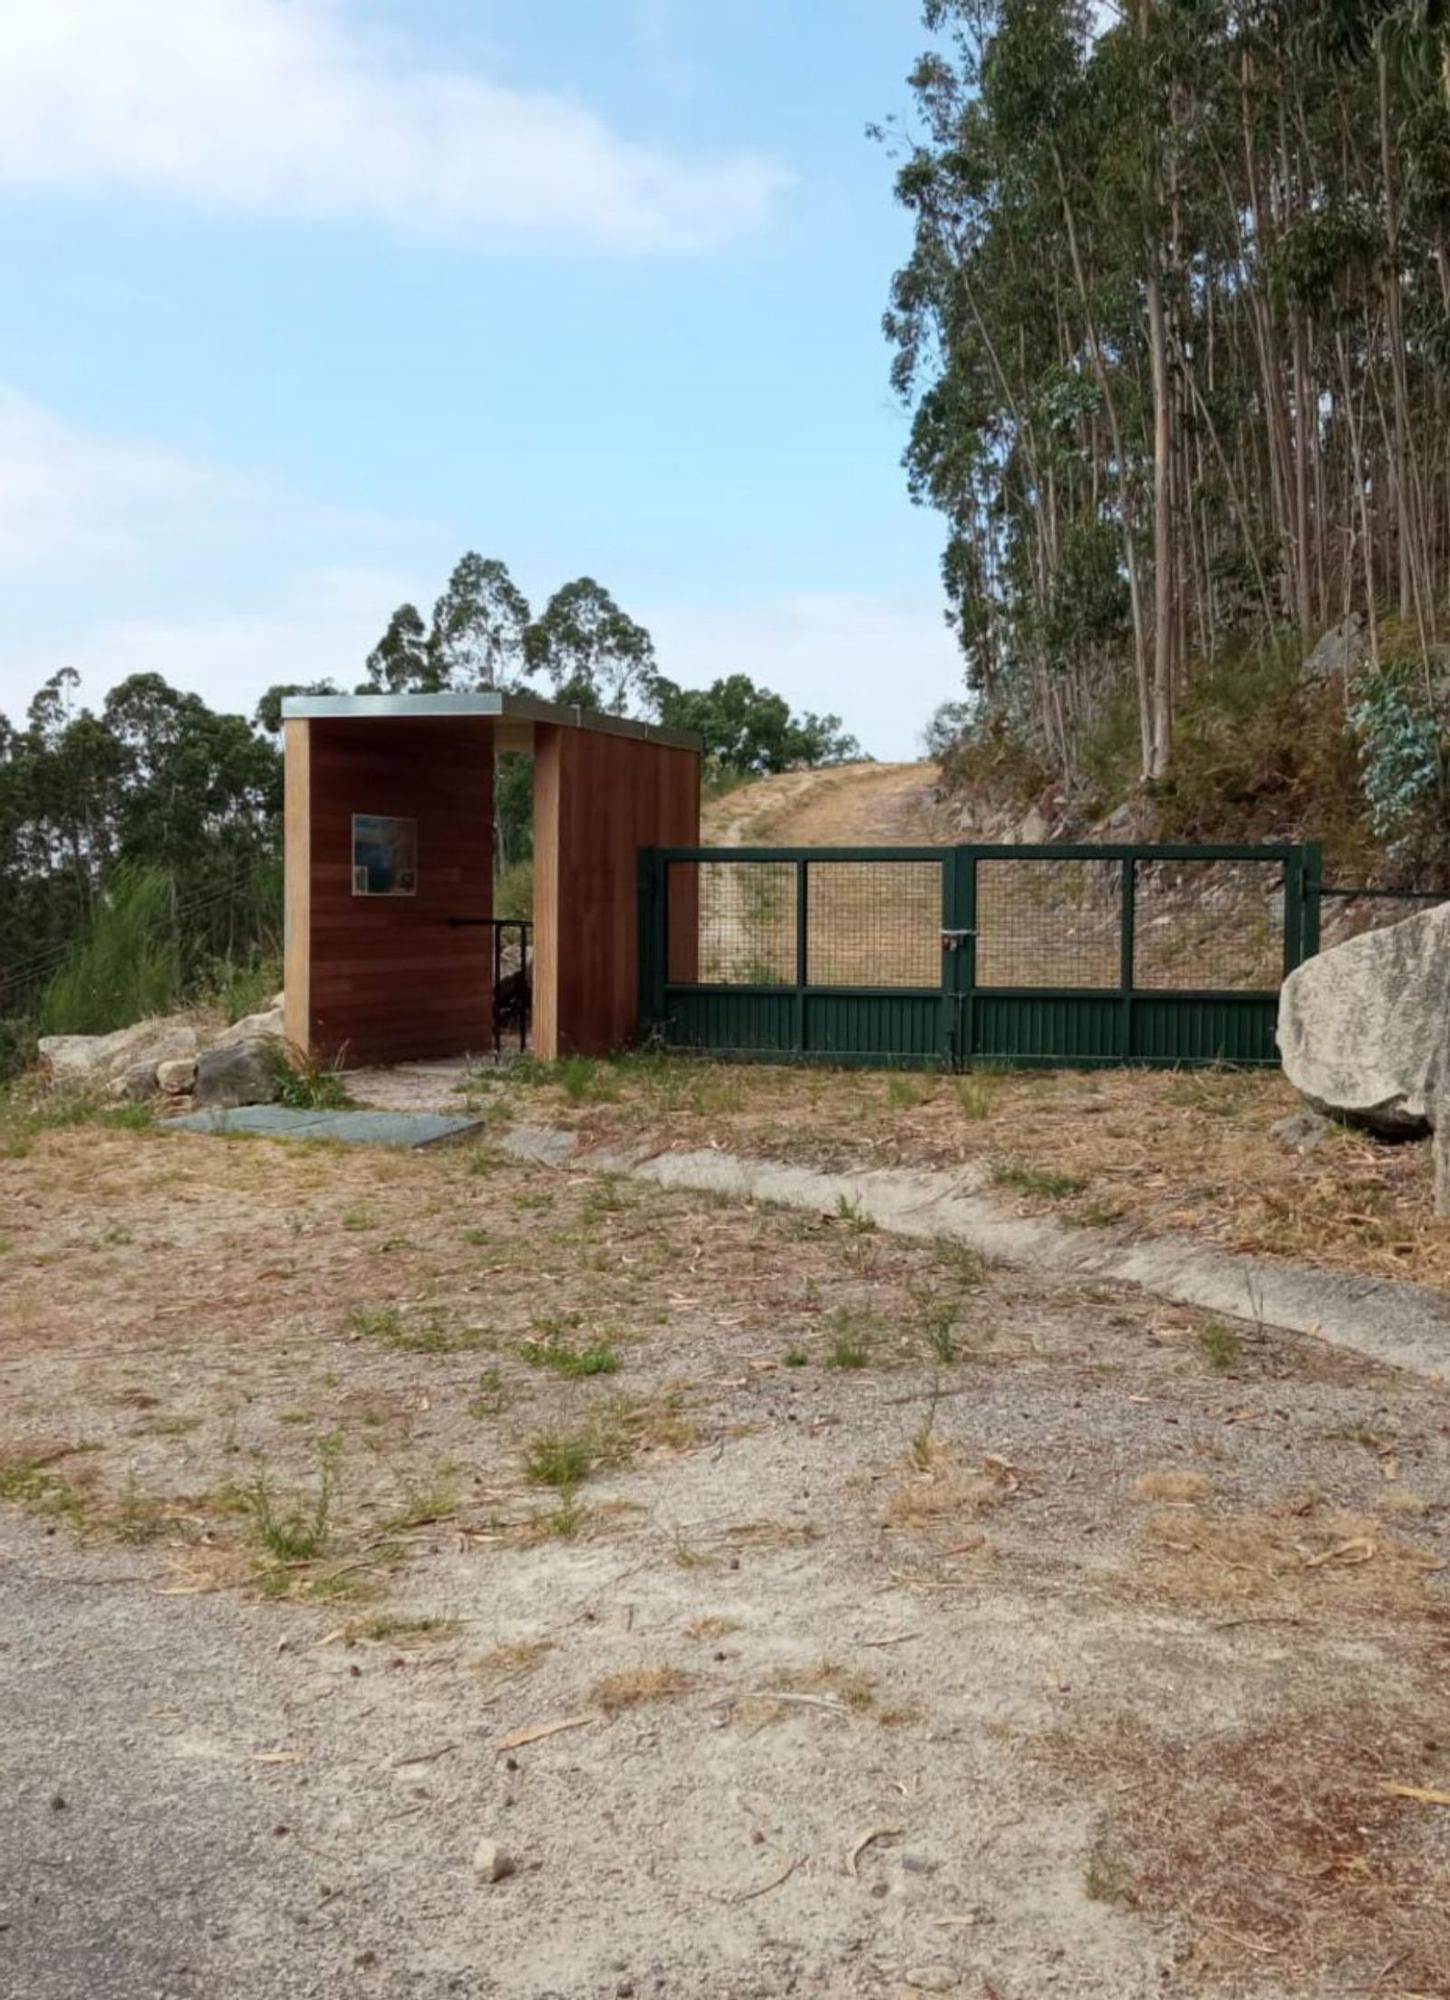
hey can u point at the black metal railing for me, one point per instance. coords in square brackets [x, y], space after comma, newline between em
[513, 984]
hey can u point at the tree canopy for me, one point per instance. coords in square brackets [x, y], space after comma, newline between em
[1175, 334]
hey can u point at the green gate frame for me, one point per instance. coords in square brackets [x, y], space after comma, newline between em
[959, 1022]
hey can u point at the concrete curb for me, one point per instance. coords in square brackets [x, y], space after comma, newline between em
[1402, 1325]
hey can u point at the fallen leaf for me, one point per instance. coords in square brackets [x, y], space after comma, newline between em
[1360, 1550]
[1426, 1794]
[540, 1730]
[858, 1848]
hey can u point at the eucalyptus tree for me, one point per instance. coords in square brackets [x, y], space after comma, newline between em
[1175, 332]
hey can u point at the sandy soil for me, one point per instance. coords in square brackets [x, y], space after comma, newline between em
[1111, 1626]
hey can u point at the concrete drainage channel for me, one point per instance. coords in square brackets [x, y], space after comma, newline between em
[1402, 1325]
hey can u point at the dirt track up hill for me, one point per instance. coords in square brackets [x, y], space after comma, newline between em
[848, 805]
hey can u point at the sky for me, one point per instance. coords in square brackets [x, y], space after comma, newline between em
[306, 297]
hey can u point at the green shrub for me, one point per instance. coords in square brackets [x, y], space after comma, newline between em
[513, 891]
[17, 1046]
[125, 967]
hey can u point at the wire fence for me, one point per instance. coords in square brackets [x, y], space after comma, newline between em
[1039, 923]
[1049, 923]
[1212, 926]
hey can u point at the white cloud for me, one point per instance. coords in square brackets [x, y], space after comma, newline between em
[68, 492]
[123, 556]
[292, 107]
[319, 625]
[881, 662]
[96, 530]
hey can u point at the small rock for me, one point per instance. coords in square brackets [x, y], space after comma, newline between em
[135, 1084]
[1339, 653]
[177, 1076]
[240, 1073]
[933, 1979]
[266, 1026]
[919, 1864]
[491, 1862]
[1303, 1130]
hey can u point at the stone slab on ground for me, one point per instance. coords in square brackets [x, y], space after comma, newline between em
[349, 1128]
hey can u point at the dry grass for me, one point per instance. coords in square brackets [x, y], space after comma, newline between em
[632, 1686]
[191, 1322]
[948, 1487]
[1305, 1558]
[1173, 1483]
[1275, 1847]
[1152, 1151]
[711, 1627]
[829, 1680]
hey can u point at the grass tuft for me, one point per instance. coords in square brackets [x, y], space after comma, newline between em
[1036, 1180]
[558, 1459]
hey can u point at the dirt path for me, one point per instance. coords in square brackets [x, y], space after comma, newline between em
[861, 805]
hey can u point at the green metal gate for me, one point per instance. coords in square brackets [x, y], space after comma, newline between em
[944, 957]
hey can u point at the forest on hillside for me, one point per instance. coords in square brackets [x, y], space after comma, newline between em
[1175, 336]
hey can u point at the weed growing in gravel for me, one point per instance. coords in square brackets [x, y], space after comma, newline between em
[358, 1219]
[960, 1262]
[978, 1091]
[422, 1505]
[386, 1323]
[906, 1093]
[490, 1397]
[298, 1532]
[554, 1458]
[28, 1483]
[796, 1357]
[922, 1449]
[598, 1358]
[1222, 1348]
[1035, 1180]
[850, 1344]
[385, 1625]
[603, 1199]
[939, 1328]
[850, 1211]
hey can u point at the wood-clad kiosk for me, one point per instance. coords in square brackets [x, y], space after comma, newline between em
[389, 869]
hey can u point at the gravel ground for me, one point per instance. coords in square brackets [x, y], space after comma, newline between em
[1104, 1625]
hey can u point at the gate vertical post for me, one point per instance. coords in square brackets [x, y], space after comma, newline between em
[1313, 891]
[1127, 962]
[802, 950]
[1294, 908]
[958, 959]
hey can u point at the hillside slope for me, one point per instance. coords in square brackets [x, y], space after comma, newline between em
[844, 805]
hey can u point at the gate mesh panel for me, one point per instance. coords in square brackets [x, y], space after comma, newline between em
[731, 923]
[874, 923]
[1049, 923]
[1217, 925]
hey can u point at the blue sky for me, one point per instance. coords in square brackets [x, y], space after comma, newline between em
[305, 297]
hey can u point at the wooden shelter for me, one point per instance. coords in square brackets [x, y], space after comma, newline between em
[389, 868]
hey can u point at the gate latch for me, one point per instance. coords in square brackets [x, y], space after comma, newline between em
[952, 940]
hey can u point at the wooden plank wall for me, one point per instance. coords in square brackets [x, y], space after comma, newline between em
[597, 800]
[388, 980]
